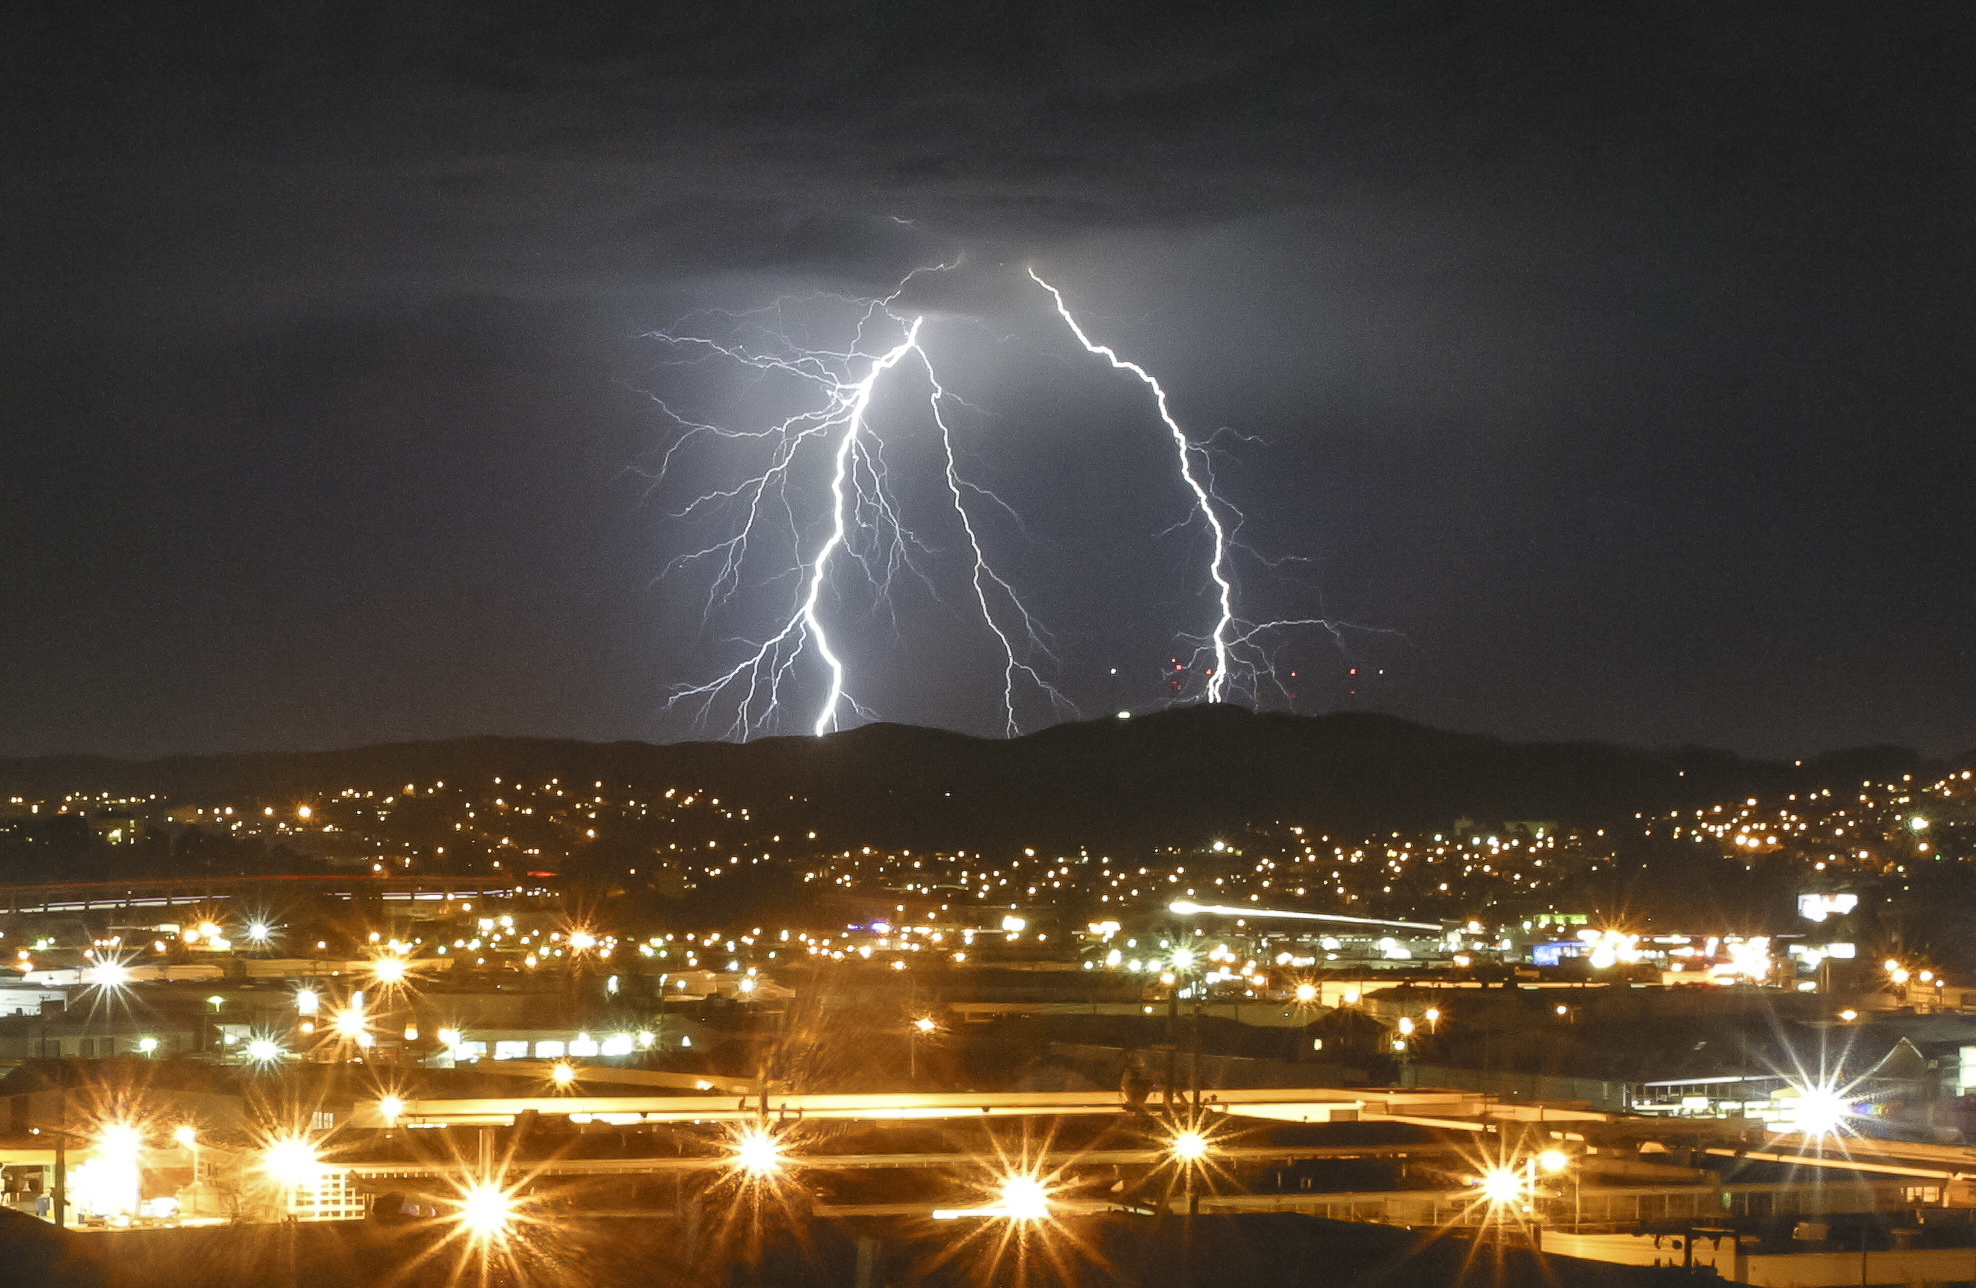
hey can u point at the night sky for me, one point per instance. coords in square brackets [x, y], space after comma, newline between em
[1612, 364]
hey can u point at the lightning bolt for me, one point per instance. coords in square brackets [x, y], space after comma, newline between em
[1204, 499]
[1241, 661]
[821, 491]
[862, 521]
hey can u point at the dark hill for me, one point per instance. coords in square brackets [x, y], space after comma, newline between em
[1179, 777]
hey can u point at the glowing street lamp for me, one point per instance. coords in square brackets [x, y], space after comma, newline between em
[757, 1154]
[485, 1212]
[292, 1162]
[1190, 1146]
[1024, 1198]
[350, 1024]
[1503, 1185]
[110, 974]
[1306, 994]
[1819, 1110]
[1553, 1161]
[563, 1074]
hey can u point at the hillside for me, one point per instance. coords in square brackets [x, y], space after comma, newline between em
[1178, 777]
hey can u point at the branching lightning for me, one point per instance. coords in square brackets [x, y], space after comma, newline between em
[1242, 661]
[1204, 500]
[863, 521]
[821, 490]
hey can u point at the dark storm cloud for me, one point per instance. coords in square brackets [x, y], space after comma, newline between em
[1591, 341]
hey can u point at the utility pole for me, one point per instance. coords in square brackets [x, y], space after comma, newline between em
[59, 1204]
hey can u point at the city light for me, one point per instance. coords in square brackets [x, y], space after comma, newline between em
[110, 974]
[389, 971]
[1553, 1160]
[485, 1211]
[562, 1074]
[1024, 1198]
[1190, 1146]
[259, 932]
[119, 1141]
[1306, 994]
[1819, 1109]
[924, 1025]
[350, 1024]
[391, 1108]
[185, 1136]
[291, 1159]
[264, 1051]
[757, 1153]
[1503, 1185]
[109, 1182]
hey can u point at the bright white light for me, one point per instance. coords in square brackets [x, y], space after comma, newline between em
[107, 975]
[1190, 1146]
[1502, 1185]
[291, 1160]
[391, 1107]
[263, 1050]
[1024, 1199]
[924, 1025]
[185, 1135]
[1183, 958]
[350, 1024]
[119, 1142]
[259, 931]
[581, 939]
[562, 1074]
[1818, 1111]
[1306, 994]
[485, 1211]
[757, 1153]
[1554, 1160]
[389, 970]
[147, 1045]
[306, 1001]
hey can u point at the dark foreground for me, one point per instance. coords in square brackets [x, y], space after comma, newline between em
[1112, 1249]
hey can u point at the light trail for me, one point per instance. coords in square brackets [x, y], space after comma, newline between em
[1187, 908]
